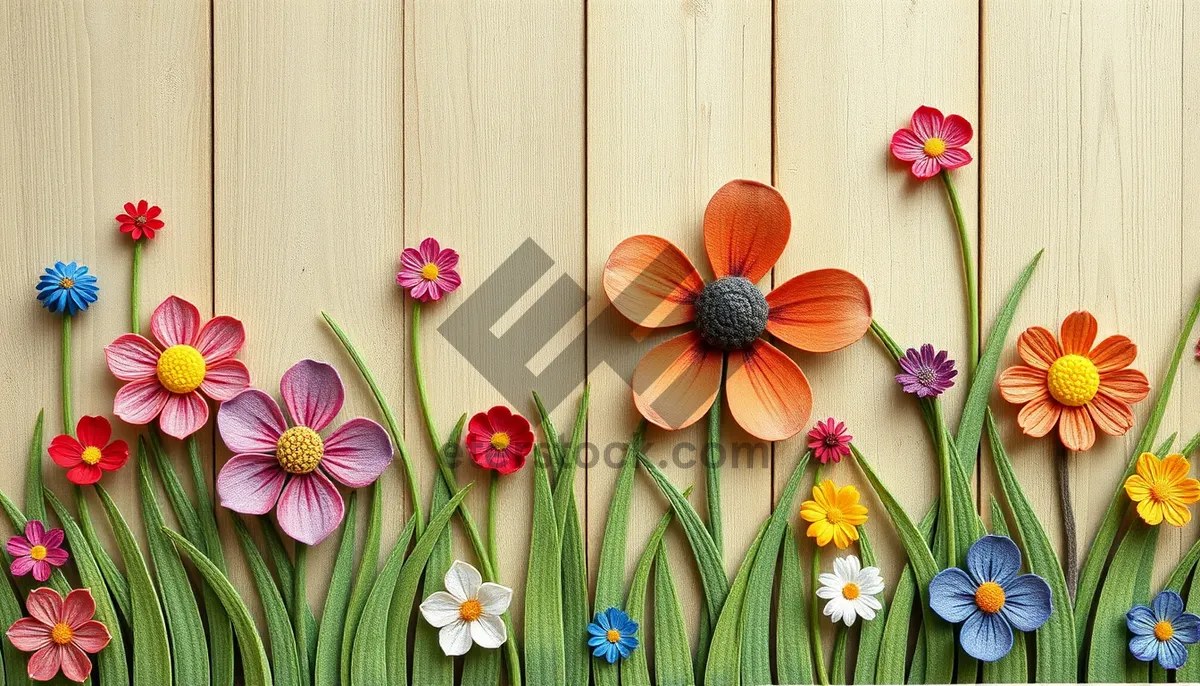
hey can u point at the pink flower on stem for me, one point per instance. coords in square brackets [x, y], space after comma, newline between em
[829, 440]
[171, 383]
[38, 551]
[292, 466]
[428, 273]
[933, 142]
[60, 634]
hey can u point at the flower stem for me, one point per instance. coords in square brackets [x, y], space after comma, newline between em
[67, 417]
[299, 606]
[1062, 459]
[493, 490]
[135, 289]
[713, 475]
[814, 614]
[946, 517]
[968, 264]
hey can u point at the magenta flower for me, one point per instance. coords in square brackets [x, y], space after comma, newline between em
[428, 273]
[933, 142]
[38, 551]
[926, 374]
[829, 441]
[292, 466]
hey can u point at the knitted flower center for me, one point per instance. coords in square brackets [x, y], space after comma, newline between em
[833, 515]
[181, 369]
[500, 440]
[66, 282]
[61, 634]
[989, 597]
[91, 455]
[1073, 380]
[612, 635]
[429, 272]
[1163, 631]
[850, 591]
[299, 450]
[38, 552]
[935, 147]
[731, 313]
[470, 610]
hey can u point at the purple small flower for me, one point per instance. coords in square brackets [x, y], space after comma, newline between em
[926, 374]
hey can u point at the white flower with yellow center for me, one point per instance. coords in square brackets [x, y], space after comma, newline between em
[851, 591]
[468, 612]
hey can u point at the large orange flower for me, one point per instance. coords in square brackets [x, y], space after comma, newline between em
[1073, 384]
[746, 228]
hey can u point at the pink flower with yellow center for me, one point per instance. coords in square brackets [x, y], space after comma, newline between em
[933, 142]
[60, 634]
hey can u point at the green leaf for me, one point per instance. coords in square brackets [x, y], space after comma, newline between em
[1093, 566]
[672, 652]
[712, 475]
[1012, 668]
[545, 649]
[793, 652]
[576, 610]
[14, 661]
[34, 507]
[287, 579]
[837, 670]
[190, 652]
[337, 599]
[1109, 644]
[151, 649]
[368, 663]
[1057, 660]
[181, 505]
[279, 625]
[113, 578]
[871, 636]
[368, 565]
[724, 656]
[756, 634]
[255, 669]
[1136, 670]
[1189, 673]
[894, 646]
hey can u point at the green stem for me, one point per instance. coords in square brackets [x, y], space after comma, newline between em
[135, 289]
[299, 606]
[814, 614]
[67, 418]
[493, 490]
[946, 518]
[713, 475]
[435, 441]
[964, 241]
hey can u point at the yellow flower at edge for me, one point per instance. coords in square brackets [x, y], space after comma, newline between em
[834, 514]
[1162, 489]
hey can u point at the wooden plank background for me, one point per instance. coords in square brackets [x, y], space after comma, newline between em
[298, 146]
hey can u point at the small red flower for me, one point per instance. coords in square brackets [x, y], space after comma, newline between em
[499, 440]
[829, 440]
[141, 220]
[89, 456]
[933, 143]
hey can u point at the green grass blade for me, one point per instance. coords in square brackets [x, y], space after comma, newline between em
[545, 649]
[793, 653]
[672, 652]
[189, 651]
[724, 656]
[151, 648]
[1107, 658]
[871, 635]
[837, 668]
[337, 599]
[576, 608]
[712, 475]
[368, 663]
[1135, 670]
[181, 505]
[287, 580]
[279, 625]
[893, 647]
[368, 565]
[113, 578]
[35, 508]
[1014, 667]
[1189, 673]
[14, 661]
[255, 666]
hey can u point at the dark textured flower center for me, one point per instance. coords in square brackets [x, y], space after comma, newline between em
[831, 440]
[731, 313]
[141, 220]
[926, 376]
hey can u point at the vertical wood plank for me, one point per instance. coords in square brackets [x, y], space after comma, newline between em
[1097, 181]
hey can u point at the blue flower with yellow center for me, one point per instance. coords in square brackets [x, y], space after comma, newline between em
[613, 635]
[1162, 631]
[67, 288]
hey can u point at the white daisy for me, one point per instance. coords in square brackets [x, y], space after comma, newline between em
[851, 591]
[468, 611]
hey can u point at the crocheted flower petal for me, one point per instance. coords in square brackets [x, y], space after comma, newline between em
[313, 393]
[994, 558]
[768, 394]
[652, 282]
[78, 607]
[1027, 603]
[183, 415]
[455, 638]
[28, 634]
[1076, 429]
[21, 565]
[51, 539]
[310, 508]
[75, 663]
[1167, 605]
[1113, 417]
[1171, 654]
[251, 422]
[220, 339]
[93, 431]
[175, 322]
[18, 546]
[462, 580]
[140, 402]
[927, 122]
[986, 637]
[677, 381]
[440, 609]
[1144, 647]
[1020, 384]
[952, 595]
[225, 379]
[91, 636]
[1113, 353]
[820, 311]
[489, 631]
[44, 605]
[1078, 333]
[1127, 385]
[1038, 348]
[1039, 416]
[45, 663]
[250, 483]
[357, 453]
[1140, 620]
[132, 358]
[429, 250]
[84, 474]
[907, 146]
[956, 131]
[926, 168]
[746, 227]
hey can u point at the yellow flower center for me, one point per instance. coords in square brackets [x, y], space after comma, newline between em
[1163, 631]
[66, 282]
[500, 440]
[850, 591]
[935, 147]
[38, 552]
[833, 515]
[91, 455]
[1073, 380]
[429, 272]
[1160, 491]
[989, 597]
[61, 634]
[181, 369]
[470, 610]
[299, 450]
[612, 635]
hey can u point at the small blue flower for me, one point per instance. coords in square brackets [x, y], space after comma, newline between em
[613, 635]
[67, 288]
[990, 599]
[1161, 631]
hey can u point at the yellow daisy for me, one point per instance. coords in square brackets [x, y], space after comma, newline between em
[1162, 489]
[834, 513]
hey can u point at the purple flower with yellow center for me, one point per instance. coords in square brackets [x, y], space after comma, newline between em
[926, 374]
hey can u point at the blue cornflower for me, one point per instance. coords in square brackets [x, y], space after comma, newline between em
[613, 635]
[1162, 630]
[990, 599]
[67, 288]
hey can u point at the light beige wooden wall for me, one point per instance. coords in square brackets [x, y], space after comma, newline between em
[297, 146]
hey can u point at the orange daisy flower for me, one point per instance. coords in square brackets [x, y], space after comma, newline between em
[651, 282]
[1070, 383]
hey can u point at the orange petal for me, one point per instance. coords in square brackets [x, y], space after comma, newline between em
[1076, 429]
[1136, 488]
[1036, 345]
[1188, 491]
[1020, 384]
[1176, 514]
[1174, 468]
[820, 311]
[1113, 353]
[1078, 332]
[768, 394]
[1127, 385]
[1147, 467]
[652, 282]
[746, 227]
[1039, 416]
[1113, 417]
[677, 381]
[1150, 512]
